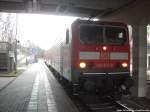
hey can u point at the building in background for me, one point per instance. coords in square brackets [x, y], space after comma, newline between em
[8, 42]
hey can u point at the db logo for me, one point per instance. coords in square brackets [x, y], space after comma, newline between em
[104, 55]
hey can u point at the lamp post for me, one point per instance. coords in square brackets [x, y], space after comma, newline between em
[15, 55]
[15, 46]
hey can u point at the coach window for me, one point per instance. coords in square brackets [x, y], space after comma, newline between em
[67, 36]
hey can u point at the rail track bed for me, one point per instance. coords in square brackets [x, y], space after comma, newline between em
[93, 103]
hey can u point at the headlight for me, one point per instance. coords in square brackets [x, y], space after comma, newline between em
[124, 65]
[82, 64]
[104, 48]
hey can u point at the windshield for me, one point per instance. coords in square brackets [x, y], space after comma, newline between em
[91, 34]
[115, 35]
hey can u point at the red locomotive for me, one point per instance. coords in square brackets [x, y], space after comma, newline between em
[94, 56]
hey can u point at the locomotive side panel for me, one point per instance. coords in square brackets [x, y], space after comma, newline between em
[54, 58]
[54, 54]
[59, 56]
[66, 63]
[66, 56]
[74, 57]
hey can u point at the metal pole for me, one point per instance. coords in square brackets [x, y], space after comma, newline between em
[15, 67]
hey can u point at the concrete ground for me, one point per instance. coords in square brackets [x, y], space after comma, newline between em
[4, 81]
[7, 78]
[35, 90]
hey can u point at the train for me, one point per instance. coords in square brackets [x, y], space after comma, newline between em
[94, 57]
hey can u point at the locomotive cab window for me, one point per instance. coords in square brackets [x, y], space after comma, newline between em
[115, 35]
[90, 34]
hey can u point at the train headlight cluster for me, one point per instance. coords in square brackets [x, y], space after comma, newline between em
[82, 65]
[124, 64]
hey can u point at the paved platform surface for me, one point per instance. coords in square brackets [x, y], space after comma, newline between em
[4, 81]
[15, 97]
[36, 90]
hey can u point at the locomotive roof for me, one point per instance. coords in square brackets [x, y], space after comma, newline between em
[80, 21]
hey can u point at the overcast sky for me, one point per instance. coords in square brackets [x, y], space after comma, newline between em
[41, 29]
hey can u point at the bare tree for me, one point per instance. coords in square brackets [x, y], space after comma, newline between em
[8, 27]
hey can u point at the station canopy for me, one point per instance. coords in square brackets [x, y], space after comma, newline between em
[80, 8]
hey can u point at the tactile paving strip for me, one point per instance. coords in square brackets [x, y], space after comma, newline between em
[50, 98]
[33, 104]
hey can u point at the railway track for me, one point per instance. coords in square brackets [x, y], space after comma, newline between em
[96, 104]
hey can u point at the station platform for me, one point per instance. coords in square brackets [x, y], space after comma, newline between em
[35, 90]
